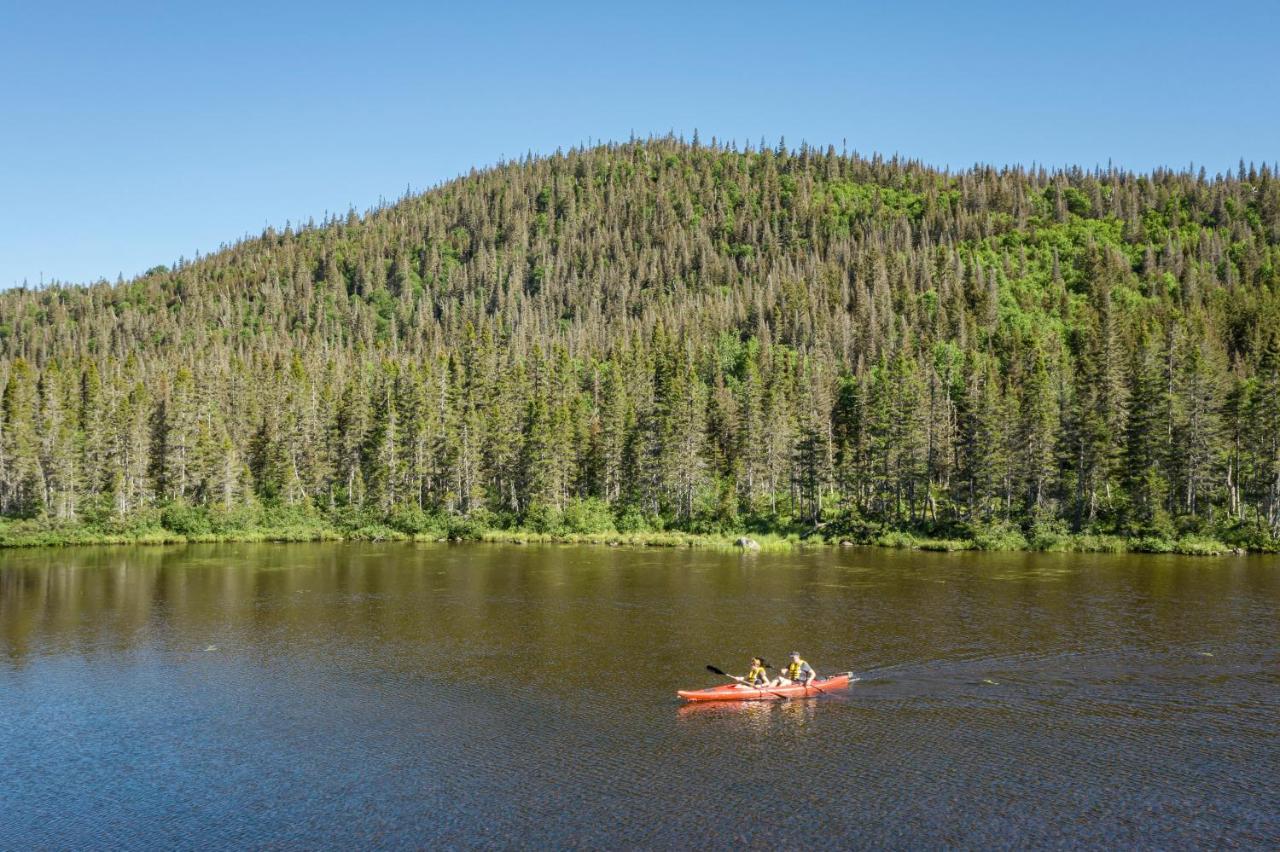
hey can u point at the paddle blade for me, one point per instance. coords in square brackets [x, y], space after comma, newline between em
[715, 670]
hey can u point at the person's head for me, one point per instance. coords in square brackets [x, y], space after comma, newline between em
[757, 661]
[795, 656]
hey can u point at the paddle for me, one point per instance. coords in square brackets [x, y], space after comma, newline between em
[723, 673]
[813, 685]
[852, 679]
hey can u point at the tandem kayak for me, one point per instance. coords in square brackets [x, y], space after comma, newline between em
[742, 692]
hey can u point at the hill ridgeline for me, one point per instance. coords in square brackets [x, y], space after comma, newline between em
[659, 338]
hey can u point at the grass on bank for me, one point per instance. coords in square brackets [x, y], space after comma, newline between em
[586, 522]
[651, 538]
[1063, 542]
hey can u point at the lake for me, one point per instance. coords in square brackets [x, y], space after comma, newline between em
[400, 695]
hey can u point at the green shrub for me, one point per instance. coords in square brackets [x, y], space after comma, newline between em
[346, 518]
[1096, 543]
[97, 510]
[1152, 544]
[503, 520]
[276, 515]
[588, 516]
[375, 532]
[1248, 536]
[1200, 546]
[542, 518]
[849, 525]
[225, 521]
[186, 519]
[632, 520]
[466, 527]
[1049, 537]
[946, 545]
[413, 520]
[136, 523]
[998, 536]
[897, 538]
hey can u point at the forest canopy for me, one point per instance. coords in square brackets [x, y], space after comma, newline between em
[664, 334]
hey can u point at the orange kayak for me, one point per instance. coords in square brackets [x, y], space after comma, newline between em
[742, 692]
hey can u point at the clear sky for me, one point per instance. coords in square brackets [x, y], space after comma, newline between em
[133, 134]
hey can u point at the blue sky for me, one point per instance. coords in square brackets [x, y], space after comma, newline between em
[133, 134]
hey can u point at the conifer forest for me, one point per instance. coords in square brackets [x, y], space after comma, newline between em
[669, 335]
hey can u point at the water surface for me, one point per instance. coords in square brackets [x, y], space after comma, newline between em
[340, 695]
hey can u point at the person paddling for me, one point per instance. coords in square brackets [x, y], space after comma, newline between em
[798, 671]
[756, 675]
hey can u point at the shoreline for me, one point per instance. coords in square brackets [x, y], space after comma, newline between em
[80, 536]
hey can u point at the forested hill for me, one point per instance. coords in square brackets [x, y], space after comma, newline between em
[661, 334]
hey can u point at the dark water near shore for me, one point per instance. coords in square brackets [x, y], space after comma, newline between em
[339, 695]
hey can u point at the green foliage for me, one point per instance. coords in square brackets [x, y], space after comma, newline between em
[234, 521]
[137, 524]
[543, 518]
[186, 520]
[466, 528]
[897, 539]
[1152, 544]
[999, 536]
[655, 342]
[589, 515]
[945, 545]
[1093, 543]
[1200, 546]
[846, 204]
[1049, 536]
[413, 520]
[632, 520]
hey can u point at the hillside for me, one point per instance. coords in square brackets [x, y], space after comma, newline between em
[661, 335]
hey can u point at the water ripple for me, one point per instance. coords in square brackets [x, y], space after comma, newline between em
[524, 697]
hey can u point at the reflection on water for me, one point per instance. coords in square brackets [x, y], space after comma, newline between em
[357, 695]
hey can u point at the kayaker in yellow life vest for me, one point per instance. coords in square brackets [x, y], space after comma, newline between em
[756, 675]
[798, 671]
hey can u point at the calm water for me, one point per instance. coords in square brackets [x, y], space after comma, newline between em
[400, 695]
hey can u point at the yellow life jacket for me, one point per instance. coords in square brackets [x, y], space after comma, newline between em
[756, 675]
[793, 670]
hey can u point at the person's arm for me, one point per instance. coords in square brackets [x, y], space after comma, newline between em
[812, 675]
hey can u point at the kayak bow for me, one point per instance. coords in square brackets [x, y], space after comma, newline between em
[742, 692]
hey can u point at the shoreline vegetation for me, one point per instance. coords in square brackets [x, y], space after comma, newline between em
[179, 524]
[668, 342]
